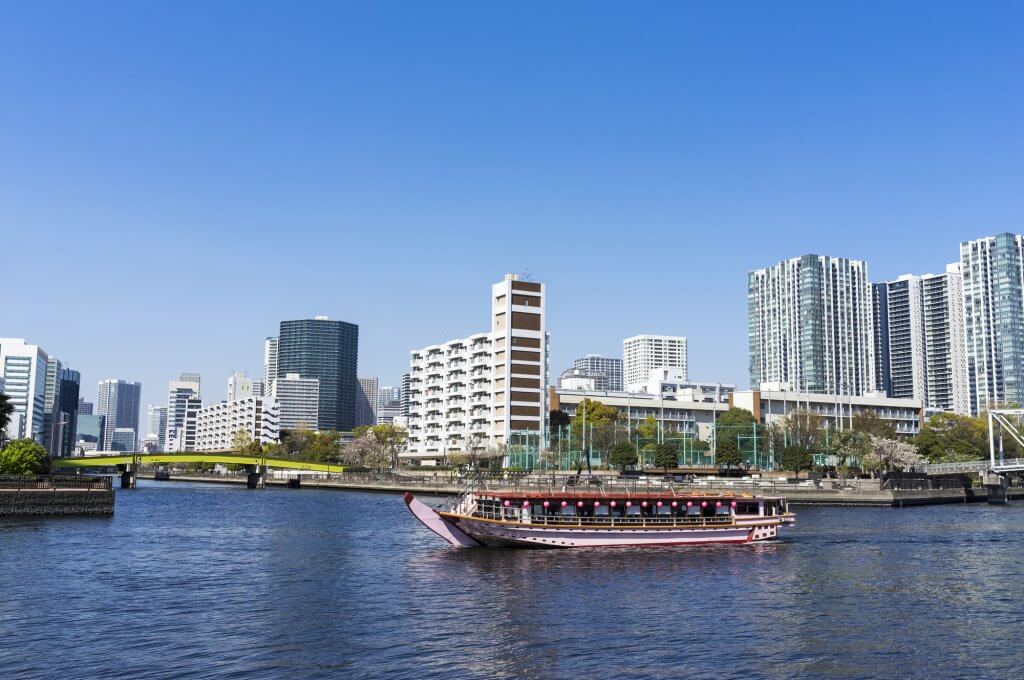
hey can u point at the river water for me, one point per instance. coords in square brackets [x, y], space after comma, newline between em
[209, 581]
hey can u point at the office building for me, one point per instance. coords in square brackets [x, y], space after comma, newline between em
[607, 372]
[70, 386]
[298, 402]
[85, 407]
[218, 424]
[810, 326]
[328, 351]
[23, 370]
[269, 361]
[179, 394]
[992, 269]
[486, 389]
[156, 425]
[641, 353]
[122, 439]
[88, 433]
[366, 402]
[118, 402]
[389, 397]
[53, 425]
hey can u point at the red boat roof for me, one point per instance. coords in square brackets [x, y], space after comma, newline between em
[617, 495]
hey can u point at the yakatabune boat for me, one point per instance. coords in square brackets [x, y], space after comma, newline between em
[577, 519]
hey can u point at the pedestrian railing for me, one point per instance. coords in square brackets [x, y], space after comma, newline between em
[54, 482]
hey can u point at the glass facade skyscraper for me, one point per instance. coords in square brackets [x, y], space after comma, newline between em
[811, 326]
[328, 351]
[993, 270]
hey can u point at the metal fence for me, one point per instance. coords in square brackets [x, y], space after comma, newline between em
[54, 482]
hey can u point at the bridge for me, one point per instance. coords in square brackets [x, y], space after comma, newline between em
[256, 466]
[1003, 424]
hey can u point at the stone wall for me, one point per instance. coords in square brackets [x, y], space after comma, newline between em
[55, 502]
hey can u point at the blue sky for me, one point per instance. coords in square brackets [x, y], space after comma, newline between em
[175, 179]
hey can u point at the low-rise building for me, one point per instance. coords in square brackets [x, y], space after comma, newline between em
[217, 424]
[671, 381]
[674, 415]
[836, 411]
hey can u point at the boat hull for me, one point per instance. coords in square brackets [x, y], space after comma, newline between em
[498, 534]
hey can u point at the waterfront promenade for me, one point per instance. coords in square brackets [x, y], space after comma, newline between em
[857, 492]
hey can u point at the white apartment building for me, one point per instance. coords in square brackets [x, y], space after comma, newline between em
[298, 401]
[180, 394]
[269, 361]
[810, 325]
[607, 371]
[948, 382]
[217, 424]
[486, 389]
[241, 386]
[641, 353]
[23, 370]
[185, 436]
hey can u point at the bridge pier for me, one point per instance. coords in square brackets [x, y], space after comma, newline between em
[129, 473]
[997, 486]
[257, 477]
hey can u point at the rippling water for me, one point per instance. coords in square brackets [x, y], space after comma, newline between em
[221, 582]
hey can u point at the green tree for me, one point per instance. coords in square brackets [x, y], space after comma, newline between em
[323, 446]
[623, 455]
[873, 424]
[557, 419]
[648, 429]
[728, 453]
[253, 448]
[24, 457]
[952, 438]
[666, 456]
[295, 442]
[796, 458]
[273, 450]
[6, 411]
[730, 427]
[804, 429]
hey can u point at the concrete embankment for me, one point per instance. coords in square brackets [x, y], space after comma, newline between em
[54, 497]
[866, 495]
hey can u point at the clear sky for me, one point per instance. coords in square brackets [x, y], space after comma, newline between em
[177, 178]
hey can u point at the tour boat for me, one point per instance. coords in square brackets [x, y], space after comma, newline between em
[577, 519]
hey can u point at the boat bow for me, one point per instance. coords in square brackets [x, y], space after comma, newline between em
[439, 525]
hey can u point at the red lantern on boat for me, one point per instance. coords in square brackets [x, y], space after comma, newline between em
[579, 504]
[564, 503]
[629, 504]
[703, 504]
[526, 504]
[507, 503]
[597, 504]
[612, 504]
[689, 504]
[718, 504]
[675, 505]
[658, 504]
[546, 504]
[733, 504]
[643, 504]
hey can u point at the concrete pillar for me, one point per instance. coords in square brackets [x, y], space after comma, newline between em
[257, 477]
[129, 473]
[997, 486]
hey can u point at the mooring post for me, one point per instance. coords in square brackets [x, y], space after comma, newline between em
[997, 486]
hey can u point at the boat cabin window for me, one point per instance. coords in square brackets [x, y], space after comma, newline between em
[746, 508]
[693, 511]
[569, 511]
[633, 511]
[722, 511]
[665, 510]
[601, 511]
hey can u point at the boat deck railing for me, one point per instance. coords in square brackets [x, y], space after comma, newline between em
[607, 520]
